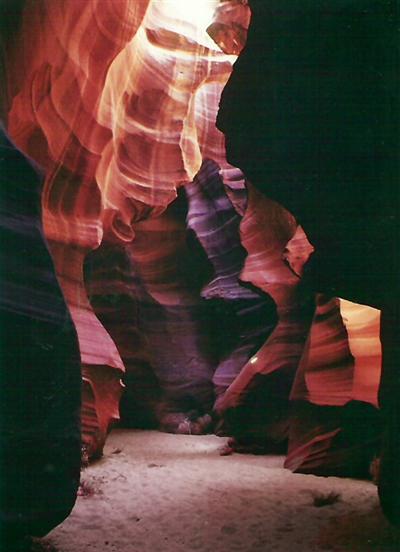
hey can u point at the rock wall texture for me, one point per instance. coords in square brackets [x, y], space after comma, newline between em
[40, 368]
[325, 145]
[184, 282]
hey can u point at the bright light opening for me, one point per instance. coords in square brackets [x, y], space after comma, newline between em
[198, 12]
[189, 17]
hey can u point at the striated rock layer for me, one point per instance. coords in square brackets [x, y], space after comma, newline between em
[322, 148]
[184, 282]
[56, 75]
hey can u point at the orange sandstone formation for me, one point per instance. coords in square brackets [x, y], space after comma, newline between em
[117, 101]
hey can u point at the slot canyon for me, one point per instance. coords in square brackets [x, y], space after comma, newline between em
[199, 275]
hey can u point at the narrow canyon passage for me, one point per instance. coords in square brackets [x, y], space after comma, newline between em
[158, 492]
[200, 215]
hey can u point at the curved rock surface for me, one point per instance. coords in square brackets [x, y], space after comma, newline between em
[183, 296]
[40, 369]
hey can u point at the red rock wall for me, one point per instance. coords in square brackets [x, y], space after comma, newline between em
[117, 101]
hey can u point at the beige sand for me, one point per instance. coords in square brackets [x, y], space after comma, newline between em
[154, 492]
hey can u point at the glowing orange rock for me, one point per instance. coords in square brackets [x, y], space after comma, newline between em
[64, 52]
[159, 101]
[117, 101]
[229, 28]
[109, 98]
[265, 230]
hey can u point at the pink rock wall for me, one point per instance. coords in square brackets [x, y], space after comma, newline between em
[117, 101]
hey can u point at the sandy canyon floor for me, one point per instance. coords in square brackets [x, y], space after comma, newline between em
[175, 493]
